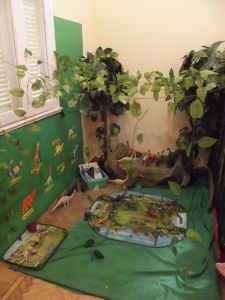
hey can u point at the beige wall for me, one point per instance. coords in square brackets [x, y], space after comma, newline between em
[148, 35]
[78, 11]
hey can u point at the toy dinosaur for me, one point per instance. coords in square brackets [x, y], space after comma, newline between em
[28, 201]
[64, 201]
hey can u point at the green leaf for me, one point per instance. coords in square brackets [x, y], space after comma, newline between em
[27, 52]
[140, 138]
[210, 86]
[39, 62]
[201, 93]
[21, 67]
[193, 235]
[156, 86]
[135, 109]
[156, 96]
[96, 188]
[171, 73]
[123, 98]
[14, 142]
[173, 248]
[196, 109]
[183, 269]
[166, 90]
[122, 217]
[41, 100]
[17, 92]
[188, 82]
[20, 73]
[66, 88]
[98, 254]
[114, 54]
[112, 89]
[189, 149]
[37, 85]
[132, 91]
[206, 142]
[89, 243]
[72, 103]
[206, 73]
[174, 187]
[199, 82]
[215, 45]
[114, 129]
[156, 74]
[179, 95]
[177, 79]
[19, 112]
[171, 108]
[24, 151]
[34, 127]
[144, 88]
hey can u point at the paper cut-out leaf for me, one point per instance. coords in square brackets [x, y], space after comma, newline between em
[96, 188]
[193, 235]
[89, 243]
[98, 254]
[34, 127]
[173, 248]
[174, 187]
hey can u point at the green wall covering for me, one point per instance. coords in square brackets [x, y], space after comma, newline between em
[28, 187]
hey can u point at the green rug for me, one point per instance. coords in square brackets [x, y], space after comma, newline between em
[134, 272]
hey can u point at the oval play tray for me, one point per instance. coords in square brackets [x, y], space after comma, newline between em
[138, 218]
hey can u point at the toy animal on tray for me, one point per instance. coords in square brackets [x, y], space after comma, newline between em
[64, 201]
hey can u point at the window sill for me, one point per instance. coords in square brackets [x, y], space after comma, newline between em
[27, 120]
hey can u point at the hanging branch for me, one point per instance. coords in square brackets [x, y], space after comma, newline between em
[136, 125]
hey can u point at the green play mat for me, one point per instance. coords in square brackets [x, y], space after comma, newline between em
[135, 272]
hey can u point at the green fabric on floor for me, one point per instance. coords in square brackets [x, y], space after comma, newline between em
[133, 272]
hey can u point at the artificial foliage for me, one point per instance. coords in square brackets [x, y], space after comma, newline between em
[103, 87]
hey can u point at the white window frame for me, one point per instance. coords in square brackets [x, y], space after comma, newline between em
[8, 120]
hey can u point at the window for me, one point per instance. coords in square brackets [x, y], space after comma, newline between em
[26, 37]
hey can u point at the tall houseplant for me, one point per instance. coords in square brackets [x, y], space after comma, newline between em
[198, 90]
[104, 88]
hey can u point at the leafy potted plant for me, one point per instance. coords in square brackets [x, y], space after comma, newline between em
[104, 88]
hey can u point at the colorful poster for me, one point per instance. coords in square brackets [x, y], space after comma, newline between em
[74, 155]
[36, 160]
[71, 134]
[61, 168]
[49, 182]
[58, 146]
[27, 205]
[14, 170]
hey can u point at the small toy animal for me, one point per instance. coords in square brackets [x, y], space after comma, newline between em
[64, 201]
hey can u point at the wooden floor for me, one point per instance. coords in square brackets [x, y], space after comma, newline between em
[17, 286]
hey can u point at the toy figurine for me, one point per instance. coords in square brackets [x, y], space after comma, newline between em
[64, 201]
[149, 157]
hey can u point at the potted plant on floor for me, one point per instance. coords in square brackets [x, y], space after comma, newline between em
[105, 88]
